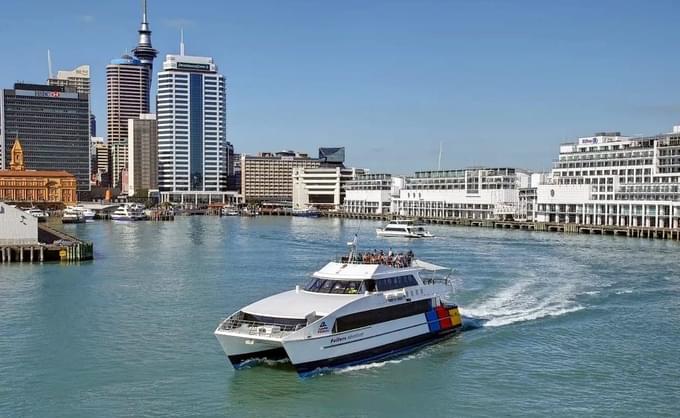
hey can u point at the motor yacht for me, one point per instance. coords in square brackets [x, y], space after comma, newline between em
[40, 214]
[308, 212]
[405, 228]
[88, 214]
[129, 212]
[359, 309]
[72, 216]
[229, 211]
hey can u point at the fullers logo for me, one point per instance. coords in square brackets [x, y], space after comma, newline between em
[323, 328]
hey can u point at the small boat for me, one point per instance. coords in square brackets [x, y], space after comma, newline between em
[355, 310]
[308, 212]
[129, 212]
[72, 216]
[88, 214]
[38, 213]
[250, 212]
[229, 211]
[405, 228]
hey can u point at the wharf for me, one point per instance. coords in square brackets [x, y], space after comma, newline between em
[625, 231]
[52, 245]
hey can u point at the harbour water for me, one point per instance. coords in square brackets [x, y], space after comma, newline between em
[577, 325]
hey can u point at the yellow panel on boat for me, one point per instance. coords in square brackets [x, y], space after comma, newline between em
[455, 317]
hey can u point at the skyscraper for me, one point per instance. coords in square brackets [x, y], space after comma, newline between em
[53, 124]
[192, 141]
[143, 155]
[128, 93]
[127, 96]
[78, 79]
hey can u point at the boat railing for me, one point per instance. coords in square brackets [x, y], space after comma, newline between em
[257, 328]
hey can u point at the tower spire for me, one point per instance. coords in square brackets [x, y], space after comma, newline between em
[181, 41]
[144, 51]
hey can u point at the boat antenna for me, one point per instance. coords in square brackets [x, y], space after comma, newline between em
[352, 249]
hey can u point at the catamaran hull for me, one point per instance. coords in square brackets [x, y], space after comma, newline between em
[241, 350]
[364, 345]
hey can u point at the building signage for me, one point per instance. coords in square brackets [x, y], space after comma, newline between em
[192, 66]
[588, 141]
[52, 94]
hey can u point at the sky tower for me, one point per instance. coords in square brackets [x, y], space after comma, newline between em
[144, 51]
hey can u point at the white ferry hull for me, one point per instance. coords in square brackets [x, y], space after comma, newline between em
[365, 345]
[391, 234]
[242, 350]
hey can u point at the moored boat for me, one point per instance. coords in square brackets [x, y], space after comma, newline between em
[404, 228]
[352, 311]
[129, 212]
[40, 214]
[308, 212]
[71, 216]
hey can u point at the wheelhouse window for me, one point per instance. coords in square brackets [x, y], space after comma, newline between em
[334, 286]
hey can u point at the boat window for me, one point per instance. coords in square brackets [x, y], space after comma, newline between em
[394, 229]
[376, 316]
[270, 320]
[339, 287]
[398, 282]
[334, 286]
[326, 286]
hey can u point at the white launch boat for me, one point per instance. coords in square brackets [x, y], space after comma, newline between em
[350, 312]
[404, 228]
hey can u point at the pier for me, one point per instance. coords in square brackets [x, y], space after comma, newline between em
[630, 231]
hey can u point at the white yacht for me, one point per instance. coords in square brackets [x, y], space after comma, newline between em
[38, 213]
[72, 216]
[229, 211]
[350, 312]
[129, 212]
[87, 214]
[405, 228]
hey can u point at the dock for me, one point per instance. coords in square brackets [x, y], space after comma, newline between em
[612, 230]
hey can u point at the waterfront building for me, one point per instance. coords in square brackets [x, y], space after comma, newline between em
[16, 228]
[332, 156]
[269, 176]
[142, 155]
[53, 124]
[192, 140]
[471, 193]
[611, 179]
[368, 194]
[22, 186]
[321, 187]
[127, 96]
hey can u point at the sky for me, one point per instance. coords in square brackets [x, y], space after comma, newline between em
[497, 83]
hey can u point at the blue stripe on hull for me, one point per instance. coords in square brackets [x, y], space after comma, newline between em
[384, 352]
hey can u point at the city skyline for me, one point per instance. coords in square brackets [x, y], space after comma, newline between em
[497, 84]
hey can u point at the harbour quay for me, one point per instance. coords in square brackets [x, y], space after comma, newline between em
[22, 239]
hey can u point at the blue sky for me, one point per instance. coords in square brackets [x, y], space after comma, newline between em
[498, 82]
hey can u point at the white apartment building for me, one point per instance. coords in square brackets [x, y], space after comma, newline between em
[610, 179]
[192, 140]
[471, 193]
[321, 187]
[369, 194]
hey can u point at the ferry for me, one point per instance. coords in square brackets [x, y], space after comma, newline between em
[229, 211]
[404, 228]
[308, 212]
[355, 310]
[128, 212]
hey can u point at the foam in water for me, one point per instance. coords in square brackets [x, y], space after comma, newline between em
[528, 299]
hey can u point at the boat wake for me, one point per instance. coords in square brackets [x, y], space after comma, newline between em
[526, 300]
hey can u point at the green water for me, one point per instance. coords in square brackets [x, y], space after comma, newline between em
[577, 325]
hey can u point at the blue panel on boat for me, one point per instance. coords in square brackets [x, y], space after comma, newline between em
[432, 320]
